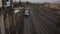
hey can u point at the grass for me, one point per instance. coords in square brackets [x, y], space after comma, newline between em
[53, 6]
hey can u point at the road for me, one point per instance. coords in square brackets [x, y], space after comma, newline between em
[40, 22]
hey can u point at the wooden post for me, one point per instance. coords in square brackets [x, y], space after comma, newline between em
[2, 24]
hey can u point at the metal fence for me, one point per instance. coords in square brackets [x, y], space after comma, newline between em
[10, 22]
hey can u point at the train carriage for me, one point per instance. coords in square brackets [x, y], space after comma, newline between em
[27, 12]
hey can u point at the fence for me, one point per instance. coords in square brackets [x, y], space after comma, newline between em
[10, 23]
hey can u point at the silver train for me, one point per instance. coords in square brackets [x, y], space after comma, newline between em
[27, 12]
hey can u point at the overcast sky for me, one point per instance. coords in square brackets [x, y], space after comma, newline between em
[41, 1]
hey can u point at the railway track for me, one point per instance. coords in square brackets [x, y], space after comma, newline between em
[39, 22]
[46, 21]
[42, 24]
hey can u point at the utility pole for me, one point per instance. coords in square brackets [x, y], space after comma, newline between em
[4, 4]
[19, 1]
[11, 2]
[11, 5]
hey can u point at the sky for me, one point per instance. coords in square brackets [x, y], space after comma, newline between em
[40, 1]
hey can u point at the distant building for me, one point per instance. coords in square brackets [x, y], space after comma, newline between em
[16, 1]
